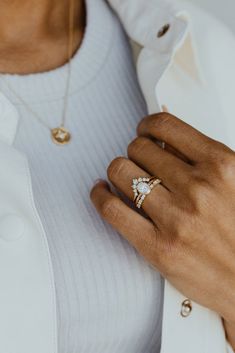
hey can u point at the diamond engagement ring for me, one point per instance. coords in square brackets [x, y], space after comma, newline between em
[142, 187]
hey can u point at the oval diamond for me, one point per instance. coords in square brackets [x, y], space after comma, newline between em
[143, 188]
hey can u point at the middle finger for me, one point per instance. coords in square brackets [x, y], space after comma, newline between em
[170, 169]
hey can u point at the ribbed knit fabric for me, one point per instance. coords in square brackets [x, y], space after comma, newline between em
[109, 299]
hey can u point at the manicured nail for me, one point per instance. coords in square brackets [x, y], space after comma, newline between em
[97, 181]
[165, 109]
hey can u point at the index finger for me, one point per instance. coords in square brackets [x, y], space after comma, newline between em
[138, 231]
[181, 136]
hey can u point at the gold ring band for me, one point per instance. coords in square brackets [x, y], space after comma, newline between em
[142, 187]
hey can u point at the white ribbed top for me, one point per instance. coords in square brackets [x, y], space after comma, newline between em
[109, 299]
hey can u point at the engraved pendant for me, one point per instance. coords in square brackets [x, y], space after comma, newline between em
[60, 135]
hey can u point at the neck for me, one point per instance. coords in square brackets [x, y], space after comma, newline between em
[34, 34]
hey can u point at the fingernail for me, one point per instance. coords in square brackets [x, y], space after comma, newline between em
[165, 109]
[97, 181]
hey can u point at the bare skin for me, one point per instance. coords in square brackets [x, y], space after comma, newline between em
[34, 34]
[189, 235]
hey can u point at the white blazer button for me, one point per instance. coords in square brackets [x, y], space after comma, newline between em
[162, 31]
[186, 308]
[11, 227]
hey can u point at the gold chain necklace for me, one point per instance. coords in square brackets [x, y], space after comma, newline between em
[60, 135]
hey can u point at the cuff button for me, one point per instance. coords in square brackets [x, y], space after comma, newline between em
[186, 308]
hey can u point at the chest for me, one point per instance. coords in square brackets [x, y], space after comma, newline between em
[106, 294]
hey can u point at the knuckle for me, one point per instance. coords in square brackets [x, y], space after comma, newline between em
[159, 121]
[224, 166]
[200, 190]
[207, 149]
[163, 121]
[116, 167]
[201, 196]
[183, 232]
[180, 228]
[137, 145]
[197, 186]
[110, 210]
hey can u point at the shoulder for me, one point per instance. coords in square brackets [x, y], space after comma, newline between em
[162, 27]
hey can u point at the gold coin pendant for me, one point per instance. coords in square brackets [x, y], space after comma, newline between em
[60, 135]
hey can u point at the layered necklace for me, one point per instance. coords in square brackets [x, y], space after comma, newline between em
[60, 135]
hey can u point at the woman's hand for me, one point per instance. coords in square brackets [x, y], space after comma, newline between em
[189, 235]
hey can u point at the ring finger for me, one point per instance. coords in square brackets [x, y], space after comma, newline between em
[121, 173]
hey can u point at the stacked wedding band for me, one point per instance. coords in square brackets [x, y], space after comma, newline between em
[142, 187]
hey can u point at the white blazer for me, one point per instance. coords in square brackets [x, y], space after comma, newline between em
[185, 61]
